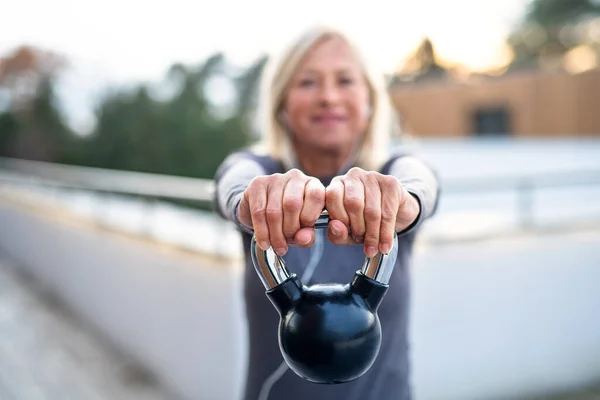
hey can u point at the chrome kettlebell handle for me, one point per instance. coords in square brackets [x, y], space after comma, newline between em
[378, 268]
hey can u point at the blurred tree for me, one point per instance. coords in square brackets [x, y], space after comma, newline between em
[422, 64]
[549, 29]
[179, 136]
[9, 129]
[134, 131]
[548, 13]
[247, 85]
[32, 126]
[24, 70]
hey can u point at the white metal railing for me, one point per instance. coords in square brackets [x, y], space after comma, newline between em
[519, 190]
[108, 180]
[186, 188]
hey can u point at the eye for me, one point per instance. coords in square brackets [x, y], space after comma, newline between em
[306, 82]
[346, 81]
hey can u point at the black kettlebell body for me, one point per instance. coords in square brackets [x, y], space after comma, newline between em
[328, 333]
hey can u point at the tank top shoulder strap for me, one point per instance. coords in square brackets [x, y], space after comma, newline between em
[386, 167]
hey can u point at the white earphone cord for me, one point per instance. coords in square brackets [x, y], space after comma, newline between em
[315, 257]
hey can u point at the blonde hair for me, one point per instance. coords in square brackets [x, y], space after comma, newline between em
[372, 152]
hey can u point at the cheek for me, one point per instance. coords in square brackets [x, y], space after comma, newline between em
[297, 110]
[360, 115]
[358, 100]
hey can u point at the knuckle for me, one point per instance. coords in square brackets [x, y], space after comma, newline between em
[359, 231]
[257, 212]
[372, 213]
[354, 171]
[257, 181]
[289, 232]
[295, 173]
[390, 182]
[372, 178]
[373, 175]
[292, 203]
[306, 221]
[353, 203]
[388, 214]
[385, 236]
[269, 179]
[371, 239]
[273, 214]
[316, 194]
[333, 195]
[279, 177]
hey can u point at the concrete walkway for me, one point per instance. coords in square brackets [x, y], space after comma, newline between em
[46, 354]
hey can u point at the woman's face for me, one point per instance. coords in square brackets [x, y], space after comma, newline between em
[326, 106]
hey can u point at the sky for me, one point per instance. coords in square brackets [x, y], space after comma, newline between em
[124, 41]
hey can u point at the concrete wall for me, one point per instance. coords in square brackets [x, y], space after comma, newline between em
[499, 319]
[175, 312]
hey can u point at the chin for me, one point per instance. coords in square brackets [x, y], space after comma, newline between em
[332, 146]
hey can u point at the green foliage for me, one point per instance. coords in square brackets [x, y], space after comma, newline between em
[550, 13]
[36, 130]
[9, 129]
[551, 28]
[134, 131]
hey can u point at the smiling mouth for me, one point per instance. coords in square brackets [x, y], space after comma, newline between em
[328, 120]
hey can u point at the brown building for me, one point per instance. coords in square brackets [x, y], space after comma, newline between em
[528, 103]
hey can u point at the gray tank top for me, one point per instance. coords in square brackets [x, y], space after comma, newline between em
[268, 377]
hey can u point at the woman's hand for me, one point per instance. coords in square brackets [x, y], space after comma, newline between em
[368, 207]
[282, 209]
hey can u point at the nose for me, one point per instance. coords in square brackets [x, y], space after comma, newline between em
[329, 93]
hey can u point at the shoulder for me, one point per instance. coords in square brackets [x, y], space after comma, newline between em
[404, 156]
[393, 157]
[242, 156]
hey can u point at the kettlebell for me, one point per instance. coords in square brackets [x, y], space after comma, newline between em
[328, 333]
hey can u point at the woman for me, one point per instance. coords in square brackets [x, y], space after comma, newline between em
[327, 126]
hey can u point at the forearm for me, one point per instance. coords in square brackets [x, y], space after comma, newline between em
[421, 182]
[231, 181]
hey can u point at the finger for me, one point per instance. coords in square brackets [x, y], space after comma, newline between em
[275, 214]
[372, 214]
[314, 202]
[390, 202]
[305, 237]
[256, 197]
[354, 204]
[337, 233]
[293, 199]
[334, 201]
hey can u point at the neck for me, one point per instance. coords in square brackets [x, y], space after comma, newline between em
[321, 163]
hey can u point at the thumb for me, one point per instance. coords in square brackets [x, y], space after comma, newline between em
[243, 212]
[305, 237]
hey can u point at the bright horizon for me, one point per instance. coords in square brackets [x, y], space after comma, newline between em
[118, 42]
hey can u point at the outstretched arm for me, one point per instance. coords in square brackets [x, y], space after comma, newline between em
[368, 207]
[231, 180]
[421, 182]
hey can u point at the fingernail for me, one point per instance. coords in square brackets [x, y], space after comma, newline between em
[305, 242]
[281, 251]
[264, 245]
[335, 231]
[386, 248]
[371, 251]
